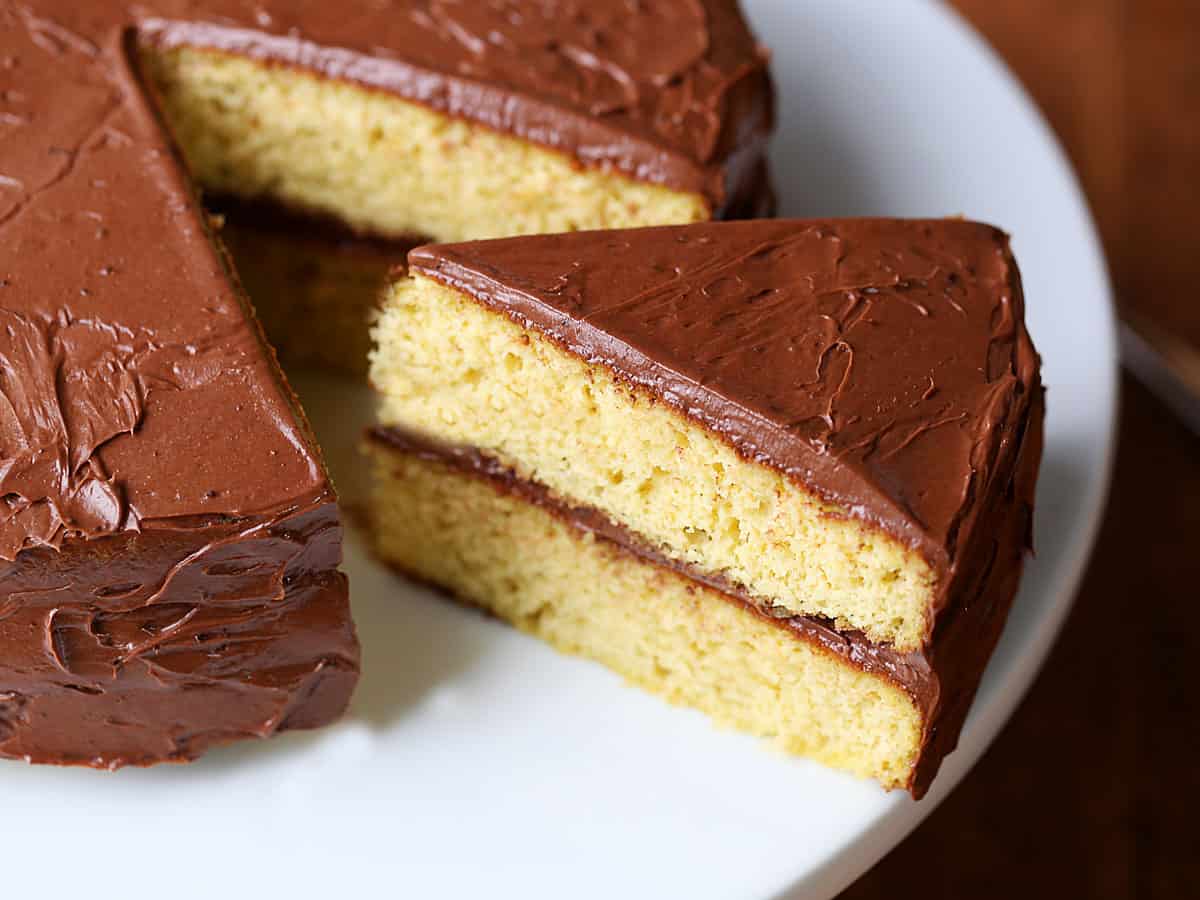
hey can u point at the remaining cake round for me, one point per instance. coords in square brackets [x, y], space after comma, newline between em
[169, 539]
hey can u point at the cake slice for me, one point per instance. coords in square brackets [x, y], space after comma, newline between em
[833, 427]
[169, 539]
[819, 412]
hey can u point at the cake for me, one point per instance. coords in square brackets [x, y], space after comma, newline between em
[169, 537]
[781, 471]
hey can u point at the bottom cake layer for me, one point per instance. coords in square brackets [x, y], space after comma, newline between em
[484, 539]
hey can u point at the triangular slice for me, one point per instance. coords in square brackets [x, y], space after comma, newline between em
[834, 422]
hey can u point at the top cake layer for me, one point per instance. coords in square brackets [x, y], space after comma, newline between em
[674, 93]
[883, 364]
[134, 385]
[881, 367]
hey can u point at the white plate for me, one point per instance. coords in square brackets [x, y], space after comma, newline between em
[478, 763]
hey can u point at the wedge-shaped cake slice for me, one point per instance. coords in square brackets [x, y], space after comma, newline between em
[830, 423]
[822, 413]
[169, 539]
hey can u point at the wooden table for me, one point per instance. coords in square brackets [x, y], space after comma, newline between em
[1093, 789]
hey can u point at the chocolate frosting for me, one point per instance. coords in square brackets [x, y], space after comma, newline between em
[134, 385]
[674, 92]
[882, 365]
[158, 482]
[152, 646]
[941, 679]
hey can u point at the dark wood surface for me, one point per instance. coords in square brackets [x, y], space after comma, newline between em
[1093, 789]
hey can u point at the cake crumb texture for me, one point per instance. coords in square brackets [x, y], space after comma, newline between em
[591, 439]
[381, 164]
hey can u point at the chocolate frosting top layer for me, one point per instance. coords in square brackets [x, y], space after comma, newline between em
[135, 388]
[674, 92]
[883, 365]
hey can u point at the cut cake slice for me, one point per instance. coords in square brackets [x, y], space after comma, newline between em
[835, 422]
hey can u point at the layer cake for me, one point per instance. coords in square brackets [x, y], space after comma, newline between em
[833, 427]
[169, 539]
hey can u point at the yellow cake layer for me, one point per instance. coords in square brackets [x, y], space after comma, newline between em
[382, 164]
[685, 642]
[487, 382]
